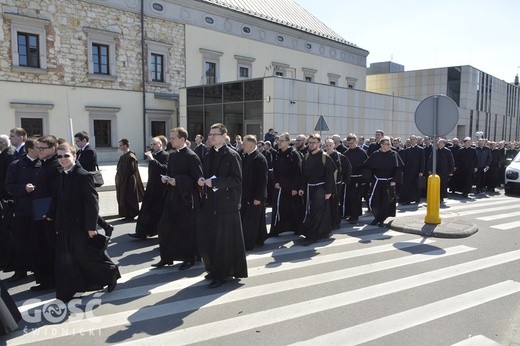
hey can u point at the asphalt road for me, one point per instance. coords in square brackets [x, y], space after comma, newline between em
[364, 285]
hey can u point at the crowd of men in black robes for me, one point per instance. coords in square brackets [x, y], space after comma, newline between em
[210, 203]
[49, 216]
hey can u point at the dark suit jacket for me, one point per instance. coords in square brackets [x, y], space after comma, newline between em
[19, 154]
[75, 192]
[254, 177]
[201, 151]
[87, 158]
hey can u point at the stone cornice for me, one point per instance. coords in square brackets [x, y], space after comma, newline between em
[232, 23]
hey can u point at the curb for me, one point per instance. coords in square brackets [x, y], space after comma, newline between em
[452, 228]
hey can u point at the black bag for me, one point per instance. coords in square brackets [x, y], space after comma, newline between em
[98, 177]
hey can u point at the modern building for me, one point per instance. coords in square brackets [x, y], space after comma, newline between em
[486, 104]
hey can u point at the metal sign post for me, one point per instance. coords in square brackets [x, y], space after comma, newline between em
[435, 116]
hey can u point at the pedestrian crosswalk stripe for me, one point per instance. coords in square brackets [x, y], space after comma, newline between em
[506, 226]
[458, 206]
[254, 271]
[276, 252]
[482, 211]
[384, 326]
[479, 340]
[271, 316]
[498, 217]
[192, 304]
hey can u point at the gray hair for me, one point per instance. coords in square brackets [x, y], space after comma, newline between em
[5, 139]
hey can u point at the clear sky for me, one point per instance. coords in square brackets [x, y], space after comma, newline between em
[427, 34]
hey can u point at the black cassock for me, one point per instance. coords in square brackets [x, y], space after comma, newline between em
[466, 163]
[177, 226]
[287, 214]
[318, 180]
[445, 167]
[220, 235]
[386, 168]
[153, 199]
[414, 163]
[9, 313]
[254, 187]
[337, 200]
[79, 267]
[354, 190]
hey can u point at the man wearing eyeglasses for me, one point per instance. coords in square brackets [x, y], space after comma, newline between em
[318, 186]
[43, 233]
[221, 238]
[19, 182]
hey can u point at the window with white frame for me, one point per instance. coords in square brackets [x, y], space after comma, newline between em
[101, 50]
[308, 74]
[245, 66]
[279, 69]
[333, 78]
[28, 42]
[33, 117]
[351, 82]
[158, 62]
[103, 126]
[210, 65]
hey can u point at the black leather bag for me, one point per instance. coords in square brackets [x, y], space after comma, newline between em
[98, 178]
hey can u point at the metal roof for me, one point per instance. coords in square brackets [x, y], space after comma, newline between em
[283, 12]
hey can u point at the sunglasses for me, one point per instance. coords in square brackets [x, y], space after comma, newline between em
[64, 156]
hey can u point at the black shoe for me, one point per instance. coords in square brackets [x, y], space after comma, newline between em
[308, 242]
[137, 236]
[162, 263]
[216, 283]
[353, 220]
[109, 230]
[381, 224]
[18, 275]
[186, 265]
[375, 222]
[112, 285]
[41, 287]
[272, 235]
[209, 276]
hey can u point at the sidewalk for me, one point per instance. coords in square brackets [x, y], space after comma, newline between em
[107, 192]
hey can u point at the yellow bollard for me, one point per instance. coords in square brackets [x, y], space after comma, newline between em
[433, 200]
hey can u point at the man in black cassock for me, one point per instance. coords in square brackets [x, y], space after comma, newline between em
[386, 166]
[338, 144]
[43, 233]
[454, 148]
[221, 238]
[177, 227]
[20, 182]
[445, 166]
[318, 186]
[466, 164]
[129, 187]
[80, 266]
[287, 214]
[342, 175]
[414, 165]
[254, 191]
[354, 191]
[153, 199]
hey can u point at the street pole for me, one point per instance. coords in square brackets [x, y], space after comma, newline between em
[434, 181]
